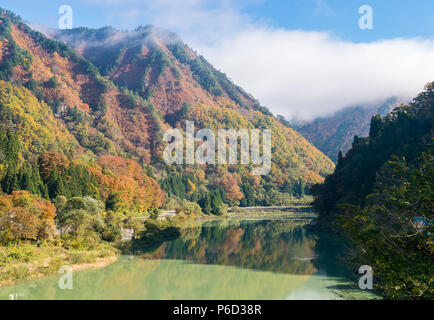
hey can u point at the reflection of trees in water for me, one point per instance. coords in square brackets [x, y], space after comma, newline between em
[332, 255]
[279, 246]
[164, 279]
[117, 281]
[266, 245]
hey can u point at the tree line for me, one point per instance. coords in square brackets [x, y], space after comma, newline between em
[380, 198]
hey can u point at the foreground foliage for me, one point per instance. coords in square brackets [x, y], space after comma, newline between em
[381, 197]
[30, 261]
[394, 232]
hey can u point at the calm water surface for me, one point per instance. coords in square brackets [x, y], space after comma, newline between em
[250, 259]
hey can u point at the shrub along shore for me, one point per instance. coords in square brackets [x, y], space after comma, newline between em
[29, 259]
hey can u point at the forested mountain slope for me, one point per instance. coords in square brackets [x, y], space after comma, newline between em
[381, 196]
[335, 133]
[105, 105]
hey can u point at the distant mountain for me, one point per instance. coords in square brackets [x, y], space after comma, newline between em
[103, 98]
[335, 133]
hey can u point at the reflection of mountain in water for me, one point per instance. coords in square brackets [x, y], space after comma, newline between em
[222, 261]
[278, 246]
[163, 279]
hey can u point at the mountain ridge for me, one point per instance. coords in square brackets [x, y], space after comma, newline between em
[122, 111]
[335, 132]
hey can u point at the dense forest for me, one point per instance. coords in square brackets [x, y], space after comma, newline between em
[82, 116]
[381, 198]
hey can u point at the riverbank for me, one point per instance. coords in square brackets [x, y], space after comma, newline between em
[220, 259]
[29, 261]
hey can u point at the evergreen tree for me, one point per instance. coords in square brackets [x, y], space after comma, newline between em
[216, 201]
[375, 127]
[56, 185]
[12, 147]
[11, 182]
[25, 178]
[40, 186]
[112, 200]
[340, 158]
[205, 203]
[249, 199]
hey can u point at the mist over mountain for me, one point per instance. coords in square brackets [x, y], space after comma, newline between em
[113, 94]
[336, 132]
[138, 59]
[90, 117]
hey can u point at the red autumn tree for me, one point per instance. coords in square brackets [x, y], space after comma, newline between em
[25, 216]
[229, 182]
[48, 160]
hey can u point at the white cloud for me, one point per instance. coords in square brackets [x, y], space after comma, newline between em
[198, 21]
[308, 74]
[294, 73]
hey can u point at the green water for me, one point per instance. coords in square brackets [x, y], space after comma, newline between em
[256, 259]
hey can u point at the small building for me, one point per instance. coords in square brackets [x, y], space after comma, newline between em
[127, 234]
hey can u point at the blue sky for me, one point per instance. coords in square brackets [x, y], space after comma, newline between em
[300, 58]
[392, 18]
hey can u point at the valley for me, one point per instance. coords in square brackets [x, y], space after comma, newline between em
[129, 157]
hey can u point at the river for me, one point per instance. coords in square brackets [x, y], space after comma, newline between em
[229, 259]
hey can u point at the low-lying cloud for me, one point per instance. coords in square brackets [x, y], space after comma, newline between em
[300, 74]
[307, 74]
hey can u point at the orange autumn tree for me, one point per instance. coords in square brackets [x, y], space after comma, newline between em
[50, 159]
[25, 216]
[125, 177]
[21, 224]
[229, 182]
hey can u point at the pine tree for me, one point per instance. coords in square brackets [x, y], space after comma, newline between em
[11, 182]
[340, 158]
[12, 147]
[74, 186]
[56, 185]
[112, 200]
[249, 199]
[205, 203]
[376, 125]
[216, 201]
[3, 138]
[40, 186]
[302, 187]
[25, 178]
[62, 189]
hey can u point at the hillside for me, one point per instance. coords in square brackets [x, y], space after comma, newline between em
[156, 64]
[106, 103]
[335, 133]
[381, 197]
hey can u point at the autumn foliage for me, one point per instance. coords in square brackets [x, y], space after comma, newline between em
[229, 182]
[126, 178]
[90, 124]
[25, 216]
